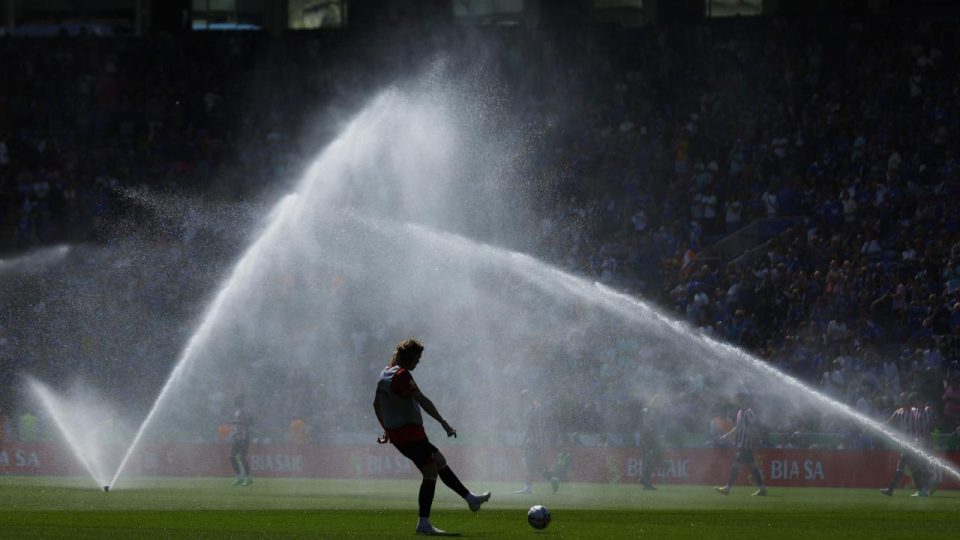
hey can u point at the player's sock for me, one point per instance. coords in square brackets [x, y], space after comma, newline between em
[243, 470]
[452, 482]
[757, 476]
[734, 471]
[896, 480]
[920, 480]
[427, 488]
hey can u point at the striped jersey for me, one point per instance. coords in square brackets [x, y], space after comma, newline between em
[746, 429]
[923, 424]
[241, 425]
[902, 418]
[536, 437]
[914, 422]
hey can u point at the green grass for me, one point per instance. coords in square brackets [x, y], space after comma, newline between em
[275, 508]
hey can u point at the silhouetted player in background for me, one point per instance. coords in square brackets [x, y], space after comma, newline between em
[927, 420]
[651, 441]
[746, 433]
[240, 442]
[912, 421]
[534, 442]
[397, 404]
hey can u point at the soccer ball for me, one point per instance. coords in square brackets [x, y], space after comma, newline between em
[538, 517]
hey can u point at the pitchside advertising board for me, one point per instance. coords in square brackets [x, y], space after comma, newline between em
[781, 467]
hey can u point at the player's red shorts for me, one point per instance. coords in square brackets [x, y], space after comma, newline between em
[419, 452]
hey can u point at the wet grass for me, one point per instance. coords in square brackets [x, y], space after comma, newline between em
[302, 508]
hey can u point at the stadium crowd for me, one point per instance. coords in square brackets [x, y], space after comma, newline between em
[835, 137]
[839, 129]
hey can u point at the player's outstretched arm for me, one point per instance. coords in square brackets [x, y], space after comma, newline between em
[431, 409]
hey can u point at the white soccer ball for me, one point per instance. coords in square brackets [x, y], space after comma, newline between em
[538, 517]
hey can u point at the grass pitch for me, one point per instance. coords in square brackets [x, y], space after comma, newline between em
[284, 508]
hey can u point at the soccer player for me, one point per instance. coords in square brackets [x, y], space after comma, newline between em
[908, 419]
[533, 443]
[240, 442]
[651, 441]
[397, 404]
[746, 432]
[926, 419]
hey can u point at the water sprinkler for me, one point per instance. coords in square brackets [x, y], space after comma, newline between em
[106, 489]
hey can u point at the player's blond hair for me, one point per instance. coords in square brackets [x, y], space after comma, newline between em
[407, 351]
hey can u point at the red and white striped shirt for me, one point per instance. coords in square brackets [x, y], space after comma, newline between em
[923, 424]
[903, 419]
[914, 422]
[745, 428]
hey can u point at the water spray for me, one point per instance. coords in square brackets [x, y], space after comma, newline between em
[546, 276]
[312, 222]
[59, 413]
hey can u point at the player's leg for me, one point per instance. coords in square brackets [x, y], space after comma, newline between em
[548, 472]
[734, 472]
[428, 488]
[919, 472]
[561, 467]
[450, 479]
[545, 467]
[897, 475]
[419, 453]
[531, 462]
[651, 460]
[933, 482]
[244, 464]
[234, 463]
[757, 475]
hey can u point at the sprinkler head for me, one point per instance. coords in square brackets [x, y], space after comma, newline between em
[106, 489]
